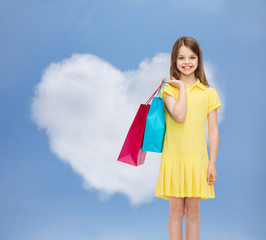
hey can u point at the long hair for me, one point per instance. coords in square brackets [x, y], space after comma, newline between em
[194, 46]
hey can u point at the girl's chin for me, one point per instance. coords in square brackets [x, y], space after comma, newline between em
[186, 73]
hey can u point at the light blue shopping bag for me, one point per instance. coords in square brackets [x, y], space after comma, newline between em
[155, 125]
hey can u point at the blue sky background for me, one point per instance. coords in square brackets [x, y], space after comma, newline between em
[43, 198]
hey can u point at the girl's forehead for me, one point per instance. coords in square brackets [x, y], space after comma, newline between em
[185, 51]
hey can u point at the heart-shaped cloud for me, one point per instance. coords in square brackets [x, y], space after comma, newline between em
[86, 107]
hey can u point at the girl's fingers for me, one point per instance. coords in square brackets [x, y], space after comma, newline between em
[211, 180]
[209, 176]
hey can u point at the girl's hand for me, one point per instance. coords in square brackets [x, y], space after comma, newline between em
[175, 83]
[211, 175]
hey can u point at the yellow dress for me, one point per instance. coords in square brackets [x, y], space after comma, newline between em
[184, 159]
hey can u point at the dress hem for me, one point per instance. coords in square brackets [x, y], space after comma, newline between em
[164, 196]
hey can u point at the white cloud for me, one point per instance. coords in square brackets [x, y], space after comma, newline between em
[86, 107]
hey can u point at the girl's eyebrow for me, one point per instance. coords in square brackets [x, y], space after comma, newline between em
[190, 55]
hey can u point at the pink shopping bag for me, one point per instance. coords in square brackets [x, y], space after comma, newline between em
[131, 152]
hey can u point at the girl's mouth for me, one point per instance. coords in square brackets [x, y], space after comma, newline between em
[187, 67]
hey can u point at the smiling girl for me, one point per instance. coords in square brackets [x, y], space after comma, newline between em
[186, 173]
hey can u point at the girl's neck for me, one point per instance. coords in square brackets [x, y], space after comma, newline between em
[191, 79]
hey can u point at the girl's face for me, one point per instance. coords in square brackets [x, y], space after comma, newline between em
[187, 61]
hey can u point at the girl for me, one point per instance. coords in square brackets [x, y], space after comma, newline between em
[186, 174]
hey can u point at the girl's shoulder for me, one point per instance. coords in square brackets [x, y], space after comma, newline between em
[211, 90]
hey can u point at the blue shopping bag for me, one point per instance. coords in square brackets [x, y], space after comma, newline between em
[155, 124]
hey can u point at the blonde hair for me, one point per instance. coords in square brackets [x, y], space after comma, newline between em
[194, 46]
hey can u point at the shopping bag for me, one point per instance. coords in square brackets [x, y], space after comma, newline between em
[155, 125]
[131, 152]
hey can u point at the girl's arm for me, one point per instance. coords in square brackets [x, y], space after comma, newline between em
[213, 135]
[177, 109]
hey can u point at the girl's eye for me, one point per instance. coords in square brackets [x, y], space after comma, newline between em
[183, 57]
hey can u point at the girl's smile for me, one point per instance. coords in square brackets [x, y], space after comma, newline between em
[187, 67]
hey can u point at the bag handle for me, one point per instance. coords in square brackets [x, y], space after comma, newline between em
[162, 87]
[159, 88]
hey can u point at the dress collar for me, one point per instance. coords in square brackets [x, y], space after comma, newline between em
[199, 84]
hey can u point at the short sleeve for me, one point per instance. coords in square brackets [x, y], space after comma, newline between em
[168, 89]
[214, 101]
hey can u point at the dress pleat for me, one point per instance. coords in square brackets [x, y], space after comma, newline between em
[183, 177]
